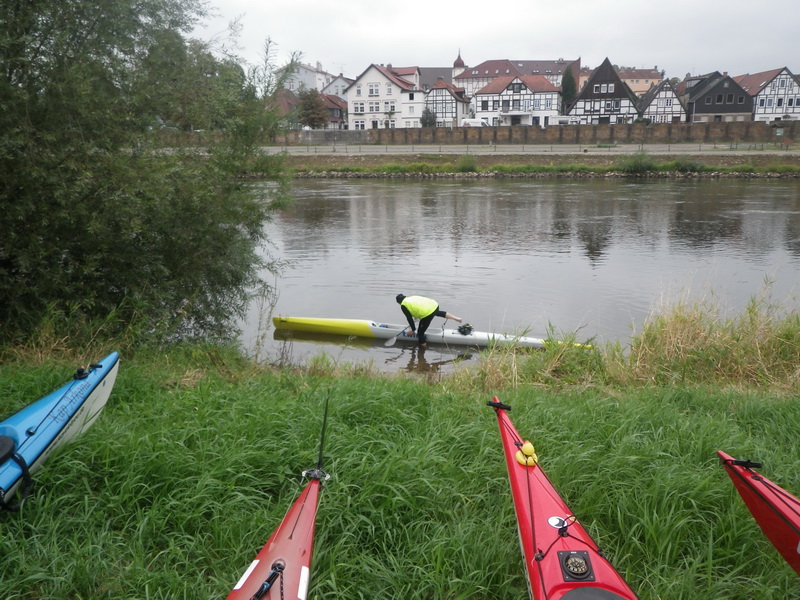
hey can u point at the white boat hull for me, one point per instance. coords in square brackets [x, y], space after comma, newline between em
[371, 329]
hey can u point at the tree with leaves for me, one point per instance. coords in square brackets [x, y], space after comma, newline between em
[569, 89]
[96, 223]
[427, 118]
[311, 111]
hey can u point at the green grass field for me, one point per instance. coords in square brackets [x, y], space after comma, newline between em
[198, 456]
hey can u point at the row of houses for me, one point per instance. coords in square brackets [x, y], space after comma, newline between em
[506, 93]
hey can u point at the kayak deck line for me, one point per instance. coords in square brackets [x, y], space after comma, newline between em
[30, 435]
[562, 561]
[776, 511]
[286, 557]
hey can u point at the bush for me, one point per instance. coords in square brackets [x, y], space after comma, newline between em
[637, 164]
[467, 164]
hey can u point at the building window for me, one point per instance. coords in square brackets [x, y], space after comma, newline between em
[729, 99]
[359, 124]
[740, 99]
[374, 89]
[780, 102]
[708, 99]
[388, 89]
[411, 96]
[358, 108]
[610, 88]
[596, 88]
[761, 102]
[719, 98]
[374, 106]
[790, 102]
[516, 88]
[358, 90]
[484, 105]
[389, 106]
[604, 89]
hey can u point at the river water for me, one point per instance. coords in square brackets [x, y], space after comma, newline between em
[591, 257]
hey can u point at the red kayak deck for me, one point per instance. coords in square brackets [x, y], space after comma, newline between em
[775, 510]
[561, 559]
[281, 570]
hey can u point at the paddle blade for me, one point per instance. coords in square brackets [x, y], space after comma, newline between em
[391, 341]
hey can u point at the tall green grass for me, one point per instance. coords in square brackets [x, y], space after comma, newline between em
[198, 454]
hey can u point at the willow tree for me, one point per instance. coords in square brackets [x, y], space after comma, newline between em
[94, 219]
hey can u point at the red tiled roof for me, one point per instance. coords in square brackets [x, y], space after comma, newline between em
[535, 83]
[396, 75]
[753, 84]
[499, 68]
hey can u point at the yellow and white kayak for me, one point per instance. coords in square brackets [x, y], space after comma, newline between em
[453, 336]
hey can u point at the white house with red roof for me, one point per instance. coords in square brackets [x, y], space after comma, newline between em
[518, 100]
[384, 97]
[776, 94]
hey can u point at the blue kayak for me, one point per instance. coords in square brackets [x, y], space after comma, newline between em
[28, 437]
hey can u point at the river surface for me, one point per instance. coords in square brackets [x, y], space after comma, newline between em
[593, 258]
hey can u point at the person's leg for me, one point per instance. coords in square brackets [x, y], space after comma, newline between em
[447, 315]
[424, 323]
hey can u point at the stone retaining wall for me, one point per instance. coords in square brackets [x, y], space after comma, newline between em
[639, 133]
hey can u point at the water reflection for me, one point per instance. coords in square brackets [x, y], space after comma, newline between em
[293, 346]
[594, 257]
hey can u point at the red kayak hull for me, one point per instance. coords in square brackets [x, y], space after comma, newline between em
[289, 547]
[775, 510]
[561, 559]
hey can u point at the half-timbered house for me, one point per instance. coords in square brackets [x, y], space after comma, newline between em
[775, 93]
[604, 99]
[448, 103]
[518, 100]
[475, 78]
[661, 104]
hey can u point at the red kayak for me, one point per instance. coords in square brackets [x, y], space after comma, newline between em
[775, 510]
[282, 569]
[561, 559]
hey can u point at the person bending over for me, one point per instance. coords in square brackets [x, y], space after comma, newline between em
[424, 309]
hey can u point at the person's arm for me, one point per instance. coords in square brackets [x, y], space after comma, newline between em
[409, 318]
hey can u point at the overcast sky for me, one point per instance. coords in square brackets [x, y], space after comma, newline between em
[677, 36]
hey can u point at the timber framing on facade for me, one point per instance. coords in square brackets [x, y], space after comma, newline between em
[775, 93]
[529, 92]
[662, 105]
[605, 99]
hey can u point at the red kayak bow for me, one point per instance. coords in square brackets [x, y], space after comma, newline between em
[561, 559]
[282, 569]
[775, 510]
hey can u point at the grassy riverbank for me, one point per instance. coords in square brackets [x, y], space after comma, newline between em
[198, 454]
[503, 164]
